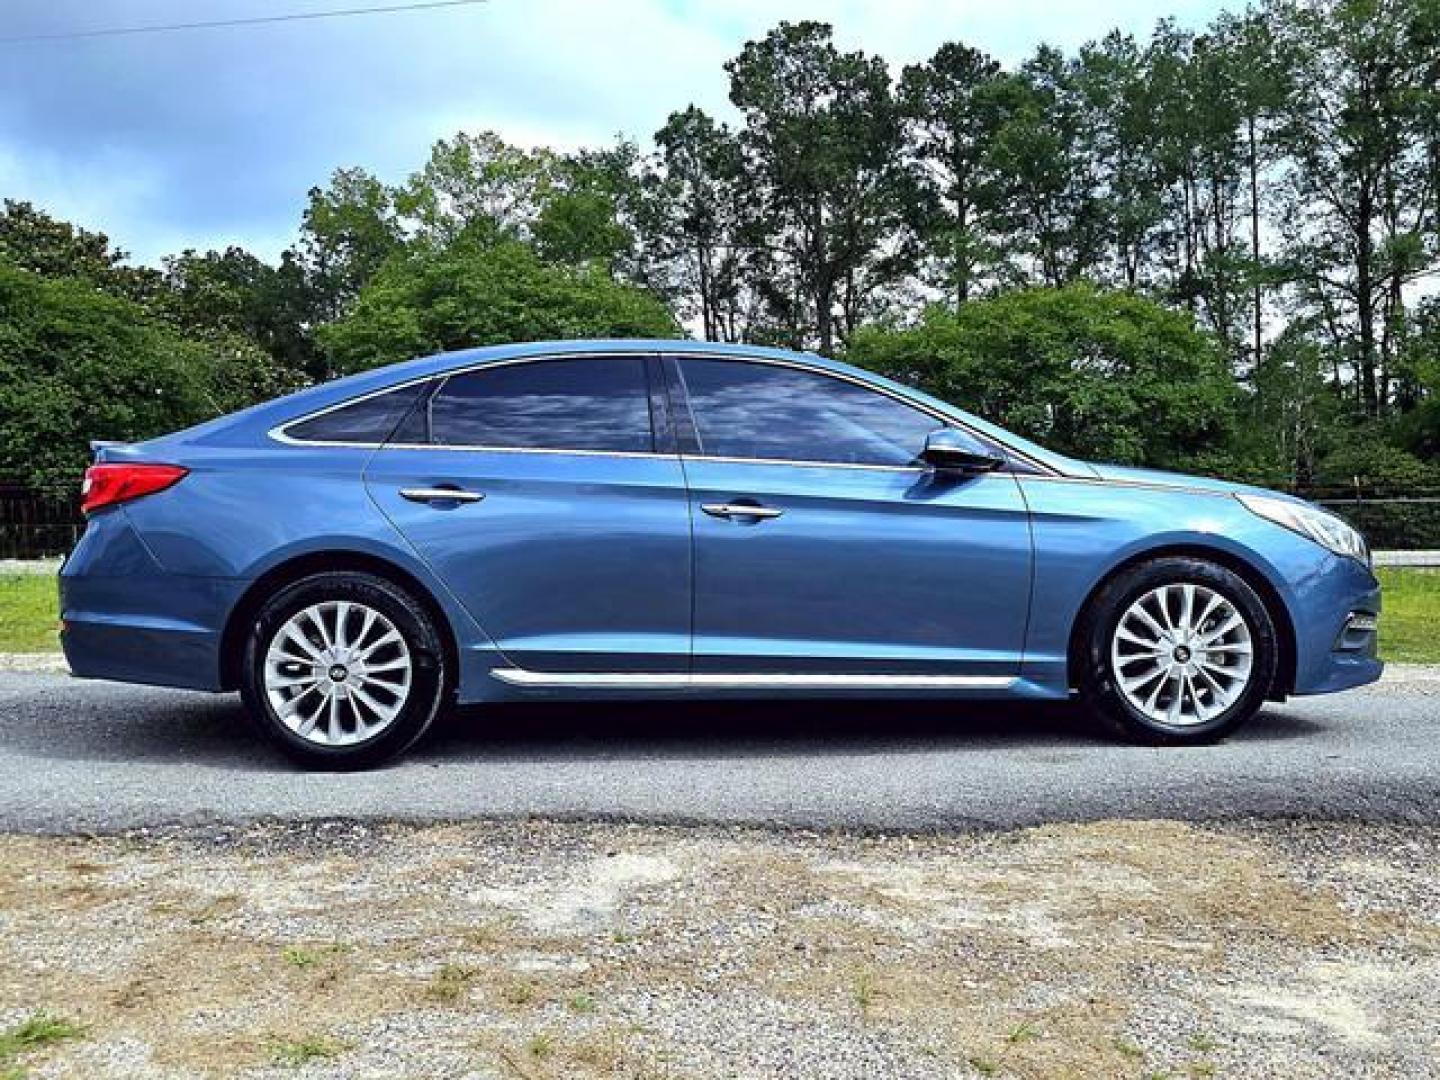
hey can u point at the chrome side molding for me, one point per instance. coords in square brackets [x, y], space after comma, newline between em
[760, 680]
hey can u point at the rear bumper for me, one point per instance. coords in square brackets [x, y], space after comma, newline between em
[140, 649]
[125, 618]
[1330, 654]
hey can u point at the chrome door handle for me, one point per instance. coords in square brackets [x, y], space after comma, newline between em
[736, 510]
[426, 495]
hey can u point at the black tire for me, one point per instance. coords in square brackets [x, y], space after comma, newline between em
[1096, 677]
[429, 680]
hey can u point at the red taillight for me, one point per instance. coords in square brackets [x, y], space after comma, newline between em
[117, 482]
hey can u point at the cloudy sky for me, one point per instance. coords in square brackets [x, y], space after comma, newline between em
[209, 137]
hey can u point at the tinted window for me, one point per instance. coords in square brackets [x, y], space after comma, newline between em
[369, 420]
[745, 410]
[583, 404]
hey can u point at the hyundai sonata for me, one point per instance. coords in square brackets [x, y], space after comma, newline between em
[608, 519]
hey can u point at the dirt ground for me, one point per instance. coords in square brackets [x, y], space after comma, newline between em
[535, 951]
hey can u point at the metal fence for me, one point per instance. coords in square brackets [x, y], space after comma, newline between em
[44, 524]
[38, 524]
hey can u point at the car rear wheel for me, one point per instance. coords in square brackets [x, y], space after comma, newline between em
[1177, 651]
[343, 670]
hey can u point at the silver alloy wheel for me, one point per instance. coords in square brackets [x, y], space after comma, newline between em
[1182, 654]
[337, 673]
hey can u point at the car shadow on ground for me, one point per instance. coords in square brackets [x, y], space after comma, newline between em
[737, 729]
[214, 732]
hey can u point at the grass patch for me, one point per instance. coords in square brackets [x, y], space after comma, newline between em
[37, 1030]
[294, 1055]
[864, 992]
[1022, 1033]
[519, 992]
[1411, 614]
[451, 983]
[301, 957]
[29, 613]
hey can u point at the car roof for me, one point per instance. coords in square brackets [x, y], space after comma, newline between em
[255, 421]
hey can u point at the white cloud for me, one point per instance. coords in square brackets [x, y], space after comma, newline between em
[213, 137]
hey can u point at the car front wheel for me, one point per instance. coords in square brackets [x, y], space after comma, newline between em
[343, 670]
[1177, 651]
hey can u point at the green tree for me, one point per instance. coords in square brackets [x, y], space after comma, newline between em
[1104, 375]
[78, 364]
[485, 289]
[1293, 407]
[582, 217]
[33, 240]
[953, 107]
[477, 178]
[1117, 104]
[1053, 220]
[1257, 78]
[1358, 183]
[698, 197]
[822, 142]
[234, 294]
[347, 232]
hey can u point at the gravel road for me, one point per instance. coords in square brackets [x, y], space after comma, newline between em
[79, 756]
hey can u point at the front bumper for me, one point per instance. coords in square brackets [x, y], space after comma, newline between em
[1335, 649]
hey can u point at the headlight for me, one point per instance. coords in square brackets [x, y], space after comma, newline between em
[1325, 529]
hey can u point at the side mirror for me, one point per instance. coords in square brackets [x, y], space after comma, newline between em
[954, 450]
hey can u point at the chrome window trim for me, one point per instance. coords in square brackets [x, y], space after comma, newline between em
[766, 680]
[806, 464]
[530, 450]
[279, 433]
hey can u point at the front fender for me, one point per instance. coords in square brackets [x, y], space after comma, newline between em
[1084, 531]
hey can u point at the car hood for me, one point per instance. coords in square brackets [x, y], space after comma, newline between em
[1158, 478]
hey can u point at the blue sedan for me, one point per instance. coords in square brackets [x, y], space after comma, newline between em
[624, 519]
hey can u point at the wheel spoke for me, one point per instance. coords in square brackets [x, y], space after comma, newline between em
[342, 615]
[317, 618]
[390, 637]
[1139, 612]
[1216, 600]
[1162, 601]
[384, 712]
[388, 665]
[1218, 692]
[1176, 699]
[1201, 713]
[307, 723]
[1133, 638]
[1154, 697]
[360, 723]
[293, 634]
[365, 627]
[1236, 648]
[283, 681]
[1225, 628]
[1139, 681]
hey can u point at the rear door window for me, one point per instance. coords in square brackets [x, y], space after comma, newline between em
[598, 404]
